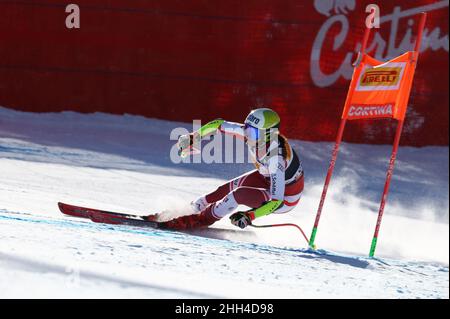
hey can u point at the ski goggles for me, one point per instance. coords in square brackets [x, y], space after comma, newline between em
[251, 133]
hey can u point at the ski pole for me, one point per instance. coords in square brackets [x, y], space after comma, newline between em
[281, 225]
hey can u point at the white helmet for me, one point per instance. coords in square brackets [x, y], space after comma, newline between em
[260, 122]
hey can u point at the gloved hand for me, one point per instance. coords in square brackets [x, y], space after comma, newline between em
[185, 142]
[242, 219]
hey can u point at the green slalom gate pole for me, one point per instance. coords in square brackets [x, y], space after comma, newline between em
[313, 238]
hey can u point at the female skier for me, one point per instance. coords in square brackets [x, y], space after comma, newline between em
[275, 186]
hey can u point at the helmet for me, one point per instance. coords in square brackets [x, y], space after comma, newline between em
[259, 124]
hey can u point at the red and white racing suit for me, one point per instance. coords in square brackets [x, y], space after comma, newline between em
[278, 176]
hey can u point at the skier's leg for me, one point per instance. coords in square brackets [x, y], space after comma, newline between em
[205, 218]
[248, 196]
[250, 179]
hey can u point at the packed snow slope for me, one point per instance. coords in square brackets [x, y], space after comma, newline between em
[123, 163]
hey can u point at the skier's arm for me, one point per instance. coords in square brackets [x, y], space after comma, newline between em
[266, 209]
[222, 126]
[192, 140]
[209, 128]
[277, 186]
[214, 126]
[243, 219]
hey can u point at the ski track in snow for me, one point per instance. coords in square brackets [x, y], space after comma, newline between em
[122, 163]
[84, 252]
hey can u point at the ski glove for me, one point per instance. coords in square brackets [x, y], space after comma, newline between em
[242, 219]
[186, 142]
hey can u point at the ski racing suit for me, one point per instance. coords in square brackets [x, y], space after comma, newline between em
[275, 186]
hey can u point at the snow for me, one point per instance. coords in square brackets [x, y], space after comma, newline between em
[122, 163]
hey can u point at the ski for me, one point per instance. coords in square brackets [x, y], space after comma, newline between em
[84, 212]
[107, 217]
[115, 219]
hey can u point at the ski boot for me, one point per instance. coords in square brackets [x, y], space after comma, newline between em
[204, 219]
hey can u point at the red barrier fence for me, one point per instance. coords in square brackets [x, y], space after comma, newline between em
[201, 59]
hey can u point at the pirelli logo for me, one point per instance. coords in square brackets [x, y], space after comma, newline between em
[381, 78]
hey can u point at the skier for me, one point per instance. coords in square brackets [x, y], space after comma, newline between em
[275, 186]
